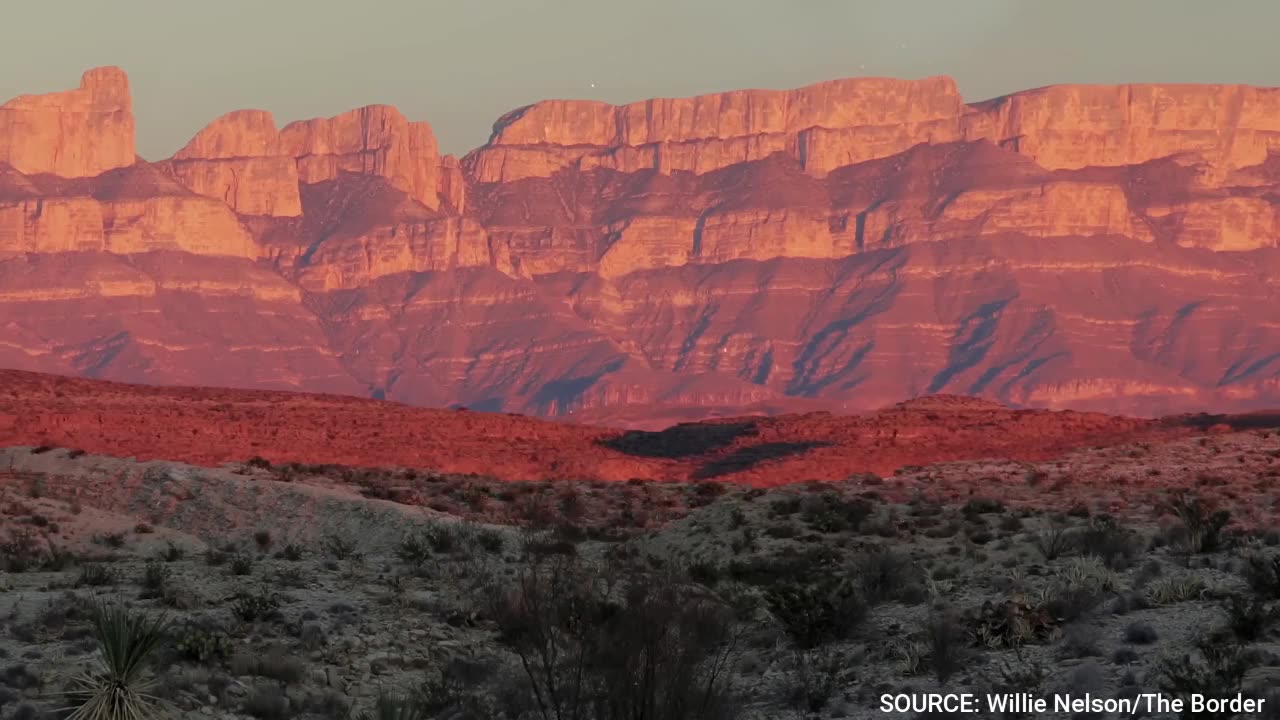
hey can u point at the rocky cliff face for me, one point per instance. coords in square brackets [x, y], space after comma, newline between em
[240, 160]
[77, 133]
[844, 245]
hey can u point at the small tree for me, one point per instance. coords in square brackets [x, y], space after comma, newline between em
[601, 643]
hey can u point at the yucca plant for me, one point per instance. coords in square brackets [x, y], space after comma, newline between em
[117, 690]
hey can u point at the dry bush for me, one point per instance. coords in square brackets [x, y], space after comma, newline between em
[608, 643]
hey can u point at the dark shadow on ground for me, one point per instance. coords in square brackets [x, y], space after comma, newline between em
[748, 457]
[680, 441]
[1243, 421]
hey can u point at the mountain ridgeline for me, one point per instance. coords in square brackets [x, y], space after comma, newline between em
[846, 245]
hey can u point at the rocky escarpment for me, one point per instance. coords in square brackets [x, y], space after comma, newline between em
[843, 245]
[78, 133]
[845, 122]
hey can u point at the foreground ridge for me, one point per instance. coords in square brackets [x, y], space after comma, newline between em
[213, 426]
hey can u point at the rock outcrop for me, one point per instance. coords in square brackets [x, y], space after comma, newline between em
[709, 132]
[375, 140]
[845, 245]
[73, 134]
[132, 210]
[240, 160]
[845, 122]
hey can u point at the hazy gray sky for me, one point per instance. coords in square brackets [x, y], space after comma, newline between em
[461, 64]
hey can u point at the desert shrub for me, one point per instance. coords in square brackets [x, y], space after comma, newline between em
[257, 461]
[1217, 672]
[814, 678]
[200, 643]
[611, 643]
[241, 563]
[1106, 540]
[1173, 589]
[58, 559]
[1081, 640]
[95, 575]
[1201, 528]
[1124, 656]
[449, 691]
[259, 605]
[829, 512]
[886, 576]
[1054, 542]
[1262, 572]
[982, 506]
[171, 553]
[445, 538]
[413, 549]
[1010, 624]
[1140, 633]
[290, 577]
[19, 677]
[290, 552]
[20, 551]
[490, 540]
[112, 540]
[785, 506]
[704, 572]
[154, 578]
[816, 613]
[339, 546]
[1249, 619]
[948, 644]
[1010, 523]
[262, 538]
[705, 493]
[1079, 587]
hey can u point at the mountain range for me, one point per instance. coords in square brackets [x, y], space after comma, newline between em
[842, 246]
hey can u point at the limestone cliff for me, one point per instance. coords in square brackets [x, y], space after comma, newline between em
[131, 210]
[240, 160]
[844, 245]
[73, 134]
[839, 123]
[374, 140]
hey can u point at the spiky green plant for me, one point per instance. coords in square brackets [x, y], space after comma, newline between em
[118, 689]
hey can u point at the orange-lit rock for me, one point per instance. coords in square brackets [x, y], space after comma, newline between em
[844, 245]
[709, 132]
[240, 160]
[374, 140]
[1075, 126]
[131, 210]
[432, 245]
[74, 134]
[1233, 224]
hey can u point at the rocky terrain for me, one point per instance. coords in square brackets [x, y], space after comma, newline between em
[210, 426]
[313, 590]
[843, 246]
